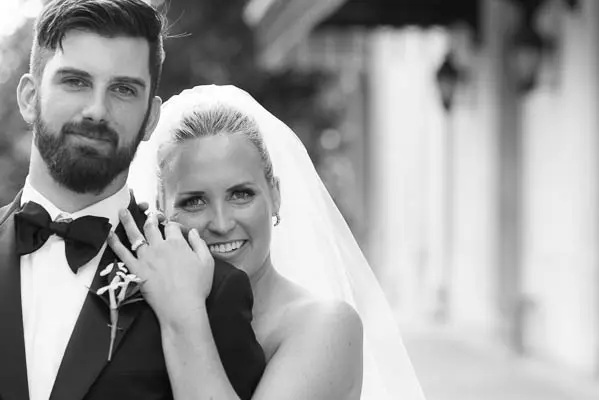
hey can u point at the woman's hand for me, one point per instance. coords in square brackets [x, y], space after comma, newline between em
[177, 275]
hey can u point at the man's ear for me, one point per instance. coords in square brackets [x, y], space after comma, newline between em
[153, 118]
[27, 92]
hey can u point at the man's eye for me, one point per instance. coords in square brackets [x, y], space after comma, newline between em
[125, 90]
[75, 82]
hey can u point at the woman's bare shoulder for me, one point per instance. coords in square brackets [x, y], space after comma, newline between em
[321, 313]
[314, 321]
[319, 353]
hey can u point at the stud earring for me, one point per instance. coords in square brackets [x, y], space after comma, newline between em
[277, 219]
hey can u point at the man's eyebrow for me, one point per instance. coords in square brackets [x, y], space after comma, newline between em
[73, 71]
[130, 80]
[119, 79]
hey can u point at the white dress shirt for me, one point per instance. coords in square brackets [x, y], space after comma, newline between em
[52, 295]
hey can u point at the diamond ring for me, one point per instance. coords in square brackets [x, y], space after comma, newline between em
[137, 244]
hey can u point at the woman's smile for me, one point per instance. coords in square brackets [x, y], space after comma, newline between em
[227, 249]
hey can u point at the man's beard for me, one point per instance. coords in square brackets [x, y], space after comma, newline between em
[84, 168]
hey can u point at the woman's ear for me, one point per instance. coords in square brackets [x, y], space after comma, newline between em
[275, 193]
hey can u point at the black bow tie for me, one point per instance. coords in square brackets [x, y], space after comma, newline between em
[83, 237]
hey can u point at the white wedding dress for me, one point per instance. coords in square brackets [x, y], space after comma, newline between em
[312, 245]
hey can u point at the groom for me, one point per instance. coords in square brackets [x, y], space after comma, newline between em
[90, 98]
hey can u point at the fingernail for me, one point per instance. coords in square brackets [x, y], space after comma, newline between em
[123, 213]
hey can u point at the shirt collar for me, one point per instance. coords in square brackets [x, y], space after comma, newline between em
[107, 208]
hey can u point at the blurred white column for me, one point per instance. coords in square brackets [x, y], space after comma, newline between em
[440, 216]
[561, 202]
[403, 114]
[503, 19]
[478, 191]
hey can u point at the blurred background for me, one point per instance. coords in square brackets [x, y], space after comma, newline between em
[459, 139]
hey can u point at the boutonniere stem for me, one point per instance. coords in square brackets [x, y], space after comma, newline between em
[124, 288]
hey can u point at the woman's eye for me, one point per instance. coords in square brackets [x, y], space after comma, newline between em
[242, 195]
[192, 203]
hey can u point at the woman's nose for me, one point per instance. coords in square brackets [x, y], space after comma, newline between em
[222, 221]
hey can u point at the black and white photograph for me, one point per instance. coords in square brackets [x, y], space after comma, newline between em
[299, 200]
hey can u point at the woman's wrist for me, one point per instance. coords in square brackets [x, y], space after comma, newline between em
[189, 318]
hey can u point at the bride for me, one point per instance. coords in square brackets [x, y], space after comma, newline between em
[219, 163]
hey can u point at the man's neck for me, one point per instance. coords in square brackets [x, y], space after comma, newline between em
[63, 198]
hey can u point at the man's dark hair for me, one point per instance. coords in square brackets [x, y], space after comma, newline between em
[107, 18]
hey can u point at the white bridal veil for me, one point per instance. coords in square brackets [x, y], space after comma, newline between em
[312, 245]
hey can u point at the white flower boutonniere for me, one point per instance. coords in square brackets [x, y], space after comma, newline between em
[123, 288]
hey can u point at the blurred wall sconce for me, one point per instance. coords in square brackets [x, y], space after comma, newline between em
[448, 77]
[529, 48]
[526, 56]
[574, 5]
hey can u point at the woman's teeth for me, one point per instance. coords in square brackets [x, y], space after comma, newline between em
[225, 247]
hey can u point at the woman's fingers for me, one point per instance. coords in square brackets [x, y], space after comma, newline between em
[175, 231]
[161, 217]
[198, 245]
[172, 231]
[122, 252]
[144, 206]
[136, 238]
[151, 230]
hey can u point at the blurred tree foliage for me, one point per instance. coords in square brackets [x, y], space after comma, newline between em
[210, 43]
[14, 134]
[213, 44]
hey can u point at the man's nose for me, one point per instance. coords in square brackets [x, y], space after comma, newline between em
[96, 109]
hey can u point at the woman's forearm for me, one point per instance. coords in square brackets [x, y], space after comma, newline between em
[194, 366]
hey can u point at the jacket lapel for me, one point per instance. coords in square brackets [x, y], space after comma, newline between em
[13, 365]
[87, 352]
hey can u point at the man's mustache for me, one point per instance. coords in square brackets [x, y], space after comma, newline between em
[91, 130]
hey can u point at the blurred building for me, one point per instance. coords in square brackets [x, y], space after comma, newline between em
[467, 156]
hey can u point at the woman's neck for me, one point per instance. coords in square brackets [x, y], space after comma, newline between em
[264, 283]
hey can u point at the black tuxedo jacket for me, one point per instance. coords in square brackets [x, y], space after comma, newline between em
[137, 369]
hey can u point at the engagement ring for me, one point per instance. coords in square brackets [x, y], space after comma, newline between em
[138, 243]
